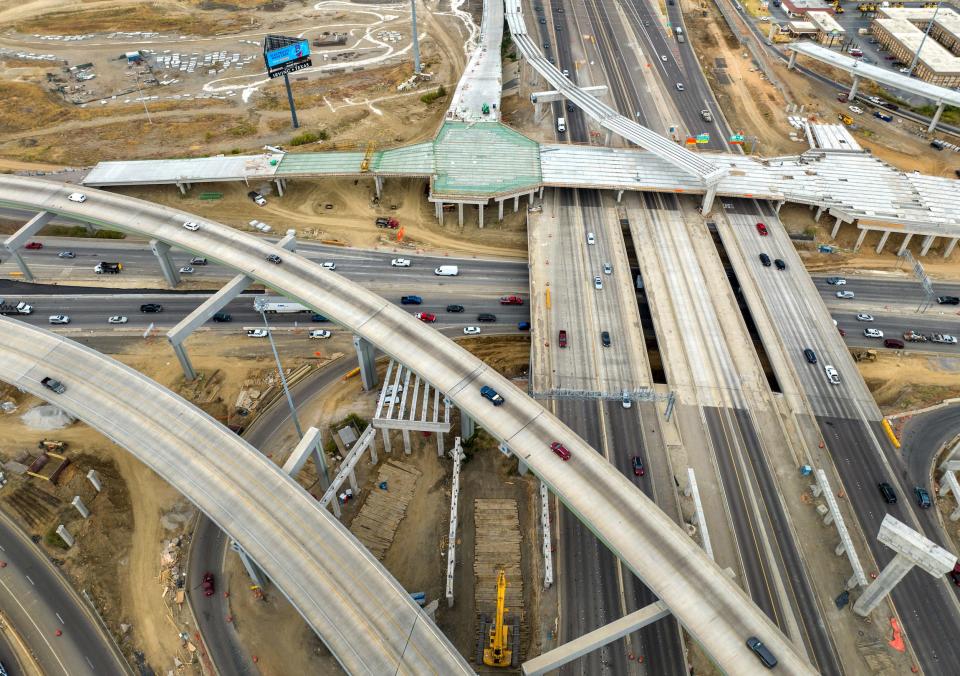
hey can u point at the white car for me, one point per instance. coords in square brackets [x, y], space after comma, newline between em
[597, 282]
[855, 109]
[625, 400]
[190, 225]
[77, 197]
[320, 333]
[845, 294]
[59, 319]
[116, 319]
[186, 270]
[471, 330]
[591, 239]
[607, 269]
[400, 262]
[873, 333]
[832, 374]
[257, 333]
[864, 317]
[943, 338]
[329, 265]
[263, 227]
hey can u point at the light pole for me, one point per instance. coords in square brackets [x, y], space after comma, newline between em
[416, 41]
[916, 57]
[261, 306]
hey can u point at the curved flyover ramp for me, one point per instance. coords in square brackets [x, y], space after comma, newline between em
[714, 610]
[364, 616]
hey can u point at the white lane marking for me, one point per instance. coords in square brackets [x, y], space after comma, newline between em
[34, 623]
[29, 580]
[60, 618]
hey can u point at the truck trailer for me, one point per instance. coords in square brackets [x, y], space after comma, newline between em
[20, 308]
[280, 305]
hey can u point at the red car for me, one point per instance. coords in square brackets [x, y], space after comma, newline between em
[33, 245]
[842, 332]
[511, 300]
[426, 317]
[762, 229]
[638, 469]
[955, 574]
[563, 338]
[560, 450]
[208, 586]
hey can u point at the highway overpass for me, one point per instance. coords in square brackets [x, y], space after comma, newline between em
[714, 610]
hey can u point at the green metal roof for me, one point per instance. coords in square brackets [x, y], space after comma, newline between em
[483, 159]
[415, 160]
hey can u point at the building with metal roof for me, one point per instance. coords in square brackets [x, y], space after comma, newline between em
[828, 31]
[798, 8]
[901, 31]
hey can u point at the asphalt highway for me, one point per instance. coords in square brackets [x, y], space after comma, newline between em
[38, 601]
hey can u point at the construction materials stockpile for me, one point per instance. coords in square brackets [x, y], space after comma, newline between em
[377, 522]
[497, 546]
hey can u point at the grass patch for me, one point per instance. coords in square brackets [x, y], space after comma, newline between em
[54, 541]
[439, 93]
[309, 137]
[139, 17]
[81, 231]
[27, 106]
[330, 448]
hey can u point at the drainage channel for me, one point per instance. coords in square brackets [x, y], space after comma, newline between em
[744, 309]
[646, 318]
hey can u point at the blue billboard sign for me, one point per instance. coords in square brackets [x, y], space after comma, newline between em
[282, 55]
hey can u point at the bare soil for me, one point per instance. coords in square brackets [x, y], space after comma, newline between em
[905, 382]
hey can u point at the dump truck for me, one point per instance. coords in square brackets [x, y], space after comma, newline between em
[105, 268]
[914, 337]
[864, 355]
[20, 308]
[846, 119]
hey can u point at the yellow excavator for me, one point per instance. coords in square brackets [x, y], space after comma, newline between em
[500, 641]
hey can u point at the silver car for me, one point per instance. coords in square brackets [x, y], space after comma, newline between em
[597, 282]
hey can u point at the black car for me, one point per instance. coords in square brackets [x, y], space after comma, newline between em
[923, 497]
[486, 317]
[273, 258]
[605, 338]
[886, 490]
[222, 317]
[780, 264]
[810, 355]
[198, 260]
[570, 107]
[937, 144]
[948, 300]
[765, 259]
[318, 318]
[762, 652]
[151, 307]
[454, 308]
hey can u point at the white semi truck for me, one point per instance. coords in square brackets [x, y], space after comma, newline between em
[280, 305]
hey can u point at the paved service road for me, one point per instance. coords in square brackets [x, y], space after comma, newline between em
[308, 554]
[37, 601]
[712, 608]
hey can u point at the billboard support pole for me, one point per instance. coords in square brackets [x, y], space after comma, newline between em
[416, 41]
[293, 108]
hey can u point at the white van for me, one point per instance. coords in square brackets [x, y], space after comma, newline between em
[447, 271]
[561, 125]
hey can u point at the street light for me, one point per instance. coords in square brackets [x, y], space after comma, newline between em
[916, 57]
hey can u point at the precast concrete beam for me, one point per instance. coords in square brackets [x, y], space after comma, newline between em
[905, 244]
[860, 238]
[366, 440]
[836, 227]
[708, 197]
[949, 484]
[545, 527]
[162, 251]
[457, 454]
[552, 95]
[883, 240]
[368, 366]
[597, 638]
[950, 247]
[27, 230]
[698, 512]
[845, 540]
[927, 243]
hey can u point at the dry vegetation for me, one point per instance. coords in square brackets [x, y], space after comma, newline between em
[904, 382]
[135, 17]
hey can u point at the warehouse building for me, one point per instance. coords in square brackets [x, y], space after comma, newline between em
[900, 31]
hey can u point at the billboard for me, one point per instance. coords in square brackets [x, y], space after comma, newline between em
[278, 57]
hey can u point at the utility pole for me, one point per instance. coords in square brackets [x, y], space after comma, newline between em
[416, 40]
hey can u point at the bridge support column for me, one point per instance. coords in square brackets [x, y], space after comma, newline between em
[309, 445]
[368, 366]
[883, 240]
[480, 212]
[619, 196]
[863, 234]
[950, 246]
[467, 425]
[530, 197]
[779, 205]
[162, 251]
[387, 447]
[912, 549]
[22, 264]
[927, 243]
[378, 185]
[707, 204]
[793, 61]
[77, 503]
[906, 242]
[516, 203]
[183, 188]
[248, 564]
[65, 536]
[279, 184]
[439, 206]
[607, 137]
[460, 213]
[185, 364]
[854, 88]
[698, 512]
[836, 228]
[816, 216]
[406, 441]
[597, 638]
[935, 119]
[500, 210]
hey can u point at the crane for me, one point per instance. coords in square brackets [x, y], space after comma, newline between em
[496, 653]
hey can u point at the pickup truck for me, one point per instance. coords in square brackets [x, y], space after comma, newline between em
[20, 308]
[914, 337]
[53, 385]
[943, 338]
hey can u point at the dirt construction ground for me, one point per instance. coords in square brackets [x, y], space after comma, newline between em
[907, 381]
